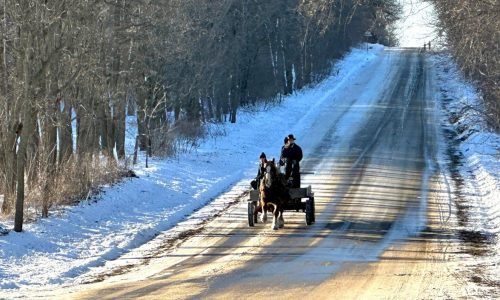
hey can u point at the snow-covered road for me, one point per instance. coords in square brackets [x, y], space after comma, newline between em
[373, 150]
[384, 225]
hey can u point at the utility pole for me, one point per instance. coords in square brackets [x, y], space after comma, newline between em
[367, 35]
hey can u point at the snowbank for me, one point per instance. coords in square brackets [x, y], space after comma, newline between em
[479, 148]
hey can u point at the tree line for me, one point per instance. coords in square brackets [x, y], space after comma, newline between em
[472, 30]
[71, 72]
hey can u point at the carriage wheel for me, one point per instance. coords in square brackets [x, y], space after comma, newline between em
[313, 210]
[309, 211]
[255, 217]
[250, 214]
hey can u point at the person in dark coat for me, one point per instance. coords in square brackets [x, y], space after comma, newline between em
[283, 149]
[292, 154]
[260, 173]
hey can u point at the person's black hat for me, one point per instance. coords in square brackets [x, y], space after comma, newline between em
[285, 140]
[291, 137]
[262, 155]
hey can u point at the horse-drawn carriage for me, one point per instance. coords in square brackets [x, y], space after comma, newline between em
[301, 199]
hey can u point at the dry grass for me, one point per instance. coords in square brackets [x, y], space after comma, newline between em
[76, 180]
[181, 138]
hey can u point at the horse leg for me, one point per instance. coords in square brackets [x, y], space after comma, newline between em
[256, 211]
[263, 216]
[281, 221]
[276, 213]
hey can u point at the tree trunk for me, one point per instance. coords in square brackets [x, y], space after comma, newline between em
[142, 116]
[50, 148]
[102, 123]
[118, 99]
[10, 170]
[234, 103]
[65, 133]
[119, 125]
[287, 57]
[28, 126]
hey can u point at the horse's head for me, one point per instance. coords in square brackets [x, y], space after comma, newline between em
[270, 174]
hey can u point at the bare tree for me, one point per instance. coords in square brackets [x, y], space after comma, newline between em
[473, 32]
[70, 70]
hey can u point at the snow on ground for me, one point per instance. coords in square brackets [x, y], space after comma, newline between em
[476, 182]
[89, 238]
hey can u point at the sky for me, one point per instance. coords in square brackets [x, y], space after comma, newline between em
[416, 26]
